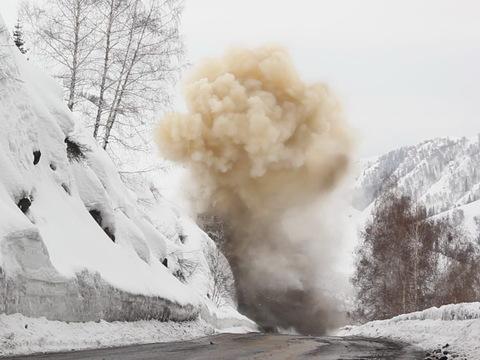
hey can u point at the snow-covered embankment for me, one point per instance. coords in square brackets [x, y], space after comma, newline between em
[457, 325]
[75, 244]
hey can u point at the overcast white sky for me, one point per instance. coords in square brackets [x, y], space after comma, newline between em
[406, 70]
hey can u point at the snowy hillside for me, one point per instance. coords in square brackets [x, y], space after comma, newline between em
[75, 244]
[441, 173]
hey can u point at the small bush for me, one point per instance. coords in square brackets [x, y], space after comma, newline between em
[186, 269]
[75, 150]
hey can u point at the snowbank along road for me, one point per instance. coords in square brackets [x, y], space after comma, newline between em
[251, 346]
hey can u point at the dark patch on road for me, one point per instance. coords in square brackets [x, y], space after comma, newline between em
[249, 346]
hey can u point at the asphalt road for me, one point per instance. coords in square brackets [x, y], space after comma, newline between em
[249, 346]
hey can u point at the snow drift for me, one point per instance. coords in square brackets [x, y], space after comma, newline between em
[457, 325]
[23, 335]
[74, 243]
[263, 146]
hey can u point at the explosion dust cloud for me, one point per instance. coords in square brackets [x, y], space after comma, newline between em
[264, 148]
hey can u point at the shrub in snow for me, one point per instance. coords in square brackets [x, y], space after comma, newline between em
[75, 150]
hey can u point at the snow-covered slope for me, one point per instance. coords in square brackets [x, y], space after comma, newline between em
[75, 244]
[442, 173]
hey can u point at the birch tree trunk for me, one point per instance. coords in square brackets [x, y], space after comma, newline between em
[73, 79]
[101, 90]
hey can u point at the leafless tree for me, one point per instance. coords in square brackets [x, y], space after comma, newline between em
[397, 260]
[118, 58]
[112, 31]
[146, 62]
[408, 262]
[222, 286]
[64, 34]
[186, 268]
[223, 283]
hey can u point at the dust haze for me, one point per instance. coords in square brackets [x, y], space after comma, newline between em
[267, 153]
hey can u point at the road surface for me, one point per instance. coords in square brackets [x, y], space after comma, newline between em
[249, 346]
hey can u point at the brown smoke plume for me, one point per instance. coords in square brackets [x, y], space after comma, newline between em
[264, 147]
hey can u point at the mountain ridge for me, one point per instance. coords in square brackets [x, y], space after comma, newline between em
[441, 173]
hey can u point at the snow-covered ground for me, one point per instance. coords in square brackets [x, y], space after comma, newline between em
[21, 335]
[457, 325]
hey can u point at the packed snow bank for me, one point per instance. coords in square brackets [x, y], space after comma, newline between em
[457, 325]
[75, 243]
[23, 335]
[65, 211]
[227, 319]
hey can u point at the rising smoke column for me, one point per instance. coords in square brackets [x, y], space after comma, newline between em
[263, 146]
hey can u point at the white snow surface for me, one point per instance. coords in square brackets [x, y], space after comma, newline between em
[456, 324]
[57, 238]
[33, 117]
[22, 335]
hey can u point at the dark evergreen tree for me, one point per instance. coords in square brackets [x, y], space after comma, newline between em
[18, 37]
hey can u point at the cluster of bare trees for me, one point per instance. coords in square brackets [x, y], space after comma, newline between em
[116, 58]
[409, 262]
[222, 289]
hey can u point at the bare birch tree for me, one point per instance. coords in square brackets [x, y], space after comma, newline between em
[143, 66]
[64, 33]
[111, 11]
[118, 58]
